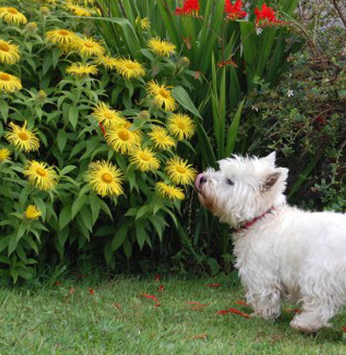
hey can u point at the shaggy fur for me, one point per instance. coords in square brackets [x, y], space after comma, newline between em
[286, 253]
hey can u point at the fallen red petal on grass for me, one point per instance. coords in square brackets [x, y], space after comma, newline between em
[72, 290]
[200, 336]
[157, 277]
[196, 306]
[232, 310]
[214, 285]
[161, 288]
[117, 306]
[343, 328]
[152, 297]
[57, 283]
[91, 291]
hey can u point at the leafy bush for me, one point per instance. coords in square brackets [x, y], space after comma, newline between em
[304, 119]
[91, 154]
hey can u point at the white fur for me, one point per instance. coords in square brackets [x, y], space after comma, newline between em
[289, 253]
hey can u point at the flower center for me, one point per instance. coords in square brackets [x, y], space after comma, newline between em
[108, 115]
[164, 93]
[145, 156]
[64, 32]
[89, 44]
[107, 178]
[12, 10]
[181, 125]
[124, 135]
[131, 65]
[181, 169]
[23, 136]
[5, 77]
[5, 47]
[41, 172]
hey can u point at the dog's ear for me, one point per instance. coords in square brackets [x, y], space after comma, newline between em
[270, 158]
[280, 174]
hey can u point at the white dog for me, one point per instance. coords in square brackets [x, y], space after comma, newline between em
[282, 252]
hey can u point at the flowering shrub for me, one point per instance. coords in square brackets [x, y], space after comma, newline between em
[93, 146]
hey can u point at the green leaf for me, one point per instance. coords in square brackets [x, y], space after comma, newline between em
[61, 139]
[119, 237]
[85, 213]
[67, 169]
[65, 217]
[95, 206]
[141, 235]
[183, 98]
[73, 116]
[233, 131]
[4, 110]
[78, 204]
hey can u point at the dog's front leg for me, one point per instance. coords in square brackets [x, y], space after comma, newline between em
[265, 302]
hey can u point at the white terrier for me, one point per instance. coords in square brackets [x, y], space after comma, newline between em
[282, 252]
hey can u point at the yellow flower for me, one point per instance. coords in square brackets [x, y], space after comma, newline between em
[144, 159]
[4, 154]
[162, 48]
[88, 47]
[181, 126]
[61, 37]
[81, 70]
[162, 96]
[41, 176]
[44, 10]
[123, 139]
[12, 15]
[9, 83]
[130, 69]
[78, 10]
[145, 22]
[180, 172]
[22, 138]
[9, 53]
[160, 138]
[172, 192]
[105, 179]
[32, 212]
[31, 27]
[107, 61]
[109, 117]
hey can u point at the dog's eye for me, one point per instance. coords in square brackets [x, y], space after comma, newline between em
[229, 182]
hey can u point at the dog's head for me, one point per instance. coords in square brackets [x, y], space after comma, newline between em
[243, 188]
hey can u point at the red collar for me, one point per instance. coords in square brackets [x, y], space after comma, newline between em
[254, 220]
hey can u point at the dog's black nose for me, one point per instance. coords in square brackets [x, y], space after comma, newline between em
[203, 180]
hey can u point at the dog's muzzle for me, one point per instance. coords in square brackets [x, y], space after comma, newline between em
[200, 180]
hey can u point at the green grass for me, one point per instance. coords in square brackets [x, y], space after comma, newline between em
[117, 319]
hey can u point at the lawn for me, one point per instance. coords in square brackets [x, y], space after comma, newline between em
[79, 316]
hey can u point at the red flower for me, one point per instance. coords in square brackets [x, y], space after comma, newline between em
[91, 291]
[161, 288]
[266, 16]
[102, 128]
[214, 285]
[343, 328]
[190, 7]
[157, 277]
[234, 12]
